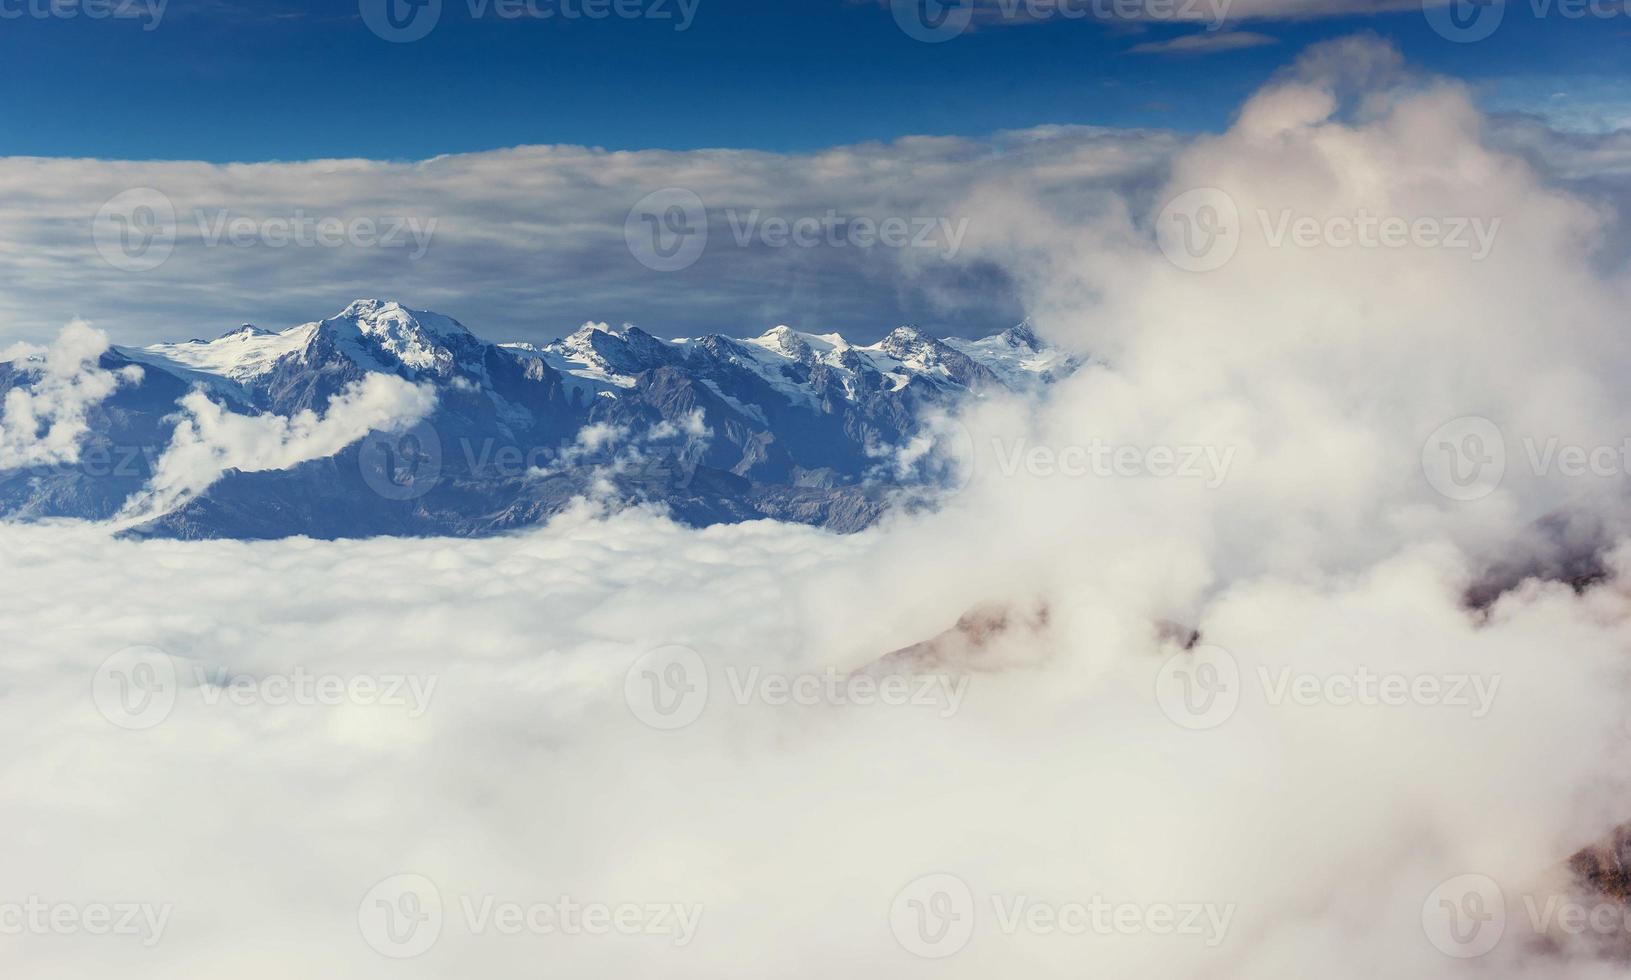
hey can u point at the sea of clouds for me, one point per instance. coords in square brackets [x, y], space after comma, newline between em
[409, 758]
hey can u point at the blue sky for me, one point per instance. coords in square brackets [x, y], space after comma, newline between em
[232, 80]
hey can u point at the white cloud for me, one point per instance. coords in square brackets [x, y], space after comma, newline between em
[1323, 828]
[1205, 43]
[1215, 13]
[44, 418]
[1307, 9]
[209, 439]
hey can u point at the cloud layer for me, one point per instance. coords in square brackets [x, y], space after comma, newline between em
[1317, 816]
[526, 244]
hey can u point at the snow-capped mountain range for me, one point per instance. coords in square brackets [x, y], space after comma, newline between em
[386, 420]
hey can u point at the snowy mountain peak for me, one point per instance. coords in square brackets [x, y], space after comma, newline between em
[785, 340]
[245, 332]
[233, 358]
[604, 351]
[1021, 335]
[905, 343]
[390, 318]
[919, 354]
[1018, 357]
[388, 333]
[585, 333]
[803, 347]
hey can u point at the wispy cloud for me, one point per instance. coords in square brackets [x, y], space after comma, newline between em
[1213, 12]
[1205, 43]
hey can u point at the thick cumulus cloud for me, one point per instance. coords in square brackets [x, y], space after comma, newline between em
[1324, 363]
[209, 439]
[44, 420]
[1302, 792]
